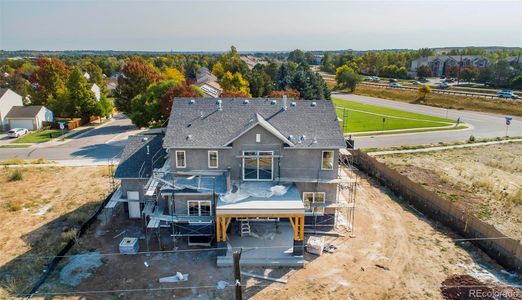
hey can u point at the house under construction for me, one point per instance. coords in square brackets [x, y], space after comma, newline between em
[254, 173]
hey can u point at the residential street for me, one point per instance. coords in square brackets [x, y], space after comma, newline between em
[99, 144]
[485, 125]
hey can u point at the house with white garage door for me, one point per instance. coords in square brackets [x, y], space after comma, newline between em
[29, 117]
[8, 99]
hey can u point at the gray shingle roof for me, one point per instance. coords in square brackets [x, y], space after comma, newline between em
[134, 160]
[24, 111]
[208, 127]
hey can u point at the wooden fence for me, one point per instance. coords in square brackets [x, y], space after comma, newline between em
[505, 250]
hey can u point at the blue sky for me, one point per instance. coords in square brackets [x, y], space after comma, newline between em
[256, 25]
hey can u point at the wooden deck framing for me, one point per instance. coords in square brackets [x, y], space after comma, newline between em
[222, 222]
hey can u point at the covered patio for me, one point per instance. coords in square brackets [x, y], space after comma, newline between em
[265, 208]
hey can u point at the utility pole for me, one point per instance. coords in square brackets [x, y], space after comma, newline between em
[237, 274]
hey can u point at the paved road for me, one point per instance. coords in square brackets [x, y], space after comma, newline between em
[485, 125]
[100, 144]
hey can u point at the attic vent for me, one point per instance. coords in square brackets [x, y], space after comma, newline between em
[189, 137]
[144, 139]
[219, 105]
[273, 102]
[192, 101]
[201, 114]
[314, 104]
[315, 140]
[302, 139]
[245, 101]
[290, 137]
[293, 103]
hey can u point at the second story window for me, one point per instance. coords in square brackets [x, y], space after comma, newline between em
[328, 160]
[181, 160]
[212, 159]
[258, 165]
[198, 208]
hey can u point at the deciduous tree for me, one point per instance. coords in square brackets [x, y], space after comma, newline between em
[235, 83]
[424, 71]
[136, 78]
[346, 77]
[49, 78]
[423, 90]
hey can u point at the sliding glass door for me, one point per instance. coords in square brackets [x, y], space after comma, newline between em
[258, 165]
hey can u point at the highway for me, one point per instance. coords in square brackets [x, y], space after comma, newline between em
[484, 125]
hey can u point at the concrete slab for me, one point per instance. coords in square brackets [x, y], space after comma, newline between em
[270, 244]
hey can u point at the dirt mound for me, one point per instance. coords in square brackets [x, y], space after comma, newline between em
[457, 287]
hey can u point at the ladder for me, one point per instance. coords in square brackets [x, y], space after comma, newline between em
[245, 227]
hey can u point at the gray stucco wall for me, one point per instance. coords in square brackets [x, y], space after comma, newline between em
[133, 185]
[294, 163]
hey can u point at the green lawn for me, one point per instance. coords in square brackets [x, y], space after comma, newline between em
[39, 136]
[362, 117]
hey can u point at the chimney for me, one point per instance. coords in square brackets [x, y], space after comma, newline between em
[284, 103]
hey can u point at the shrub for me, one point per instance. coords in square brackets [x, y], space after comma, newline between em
[14, 205]
[471, 138]
[16, 175]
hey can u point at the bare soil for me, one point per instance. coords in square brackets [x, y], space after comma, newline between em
[486, 180]
[40, 210]
[395, 254]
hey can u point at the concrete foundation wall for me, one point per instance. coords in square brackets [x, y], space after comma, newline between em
[133, 185]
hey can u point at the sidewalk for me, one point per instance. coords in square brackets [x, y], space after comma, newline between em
[376, 153]
[68, 163]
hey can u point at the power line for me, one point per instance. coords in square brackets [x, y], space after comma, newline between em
[154, 252]
[135, 290]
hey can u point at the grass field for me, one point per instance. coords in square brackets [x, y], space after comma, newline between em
[39, 136]
[508, 107]
[41, 209]
[486, 180]
[364, 117]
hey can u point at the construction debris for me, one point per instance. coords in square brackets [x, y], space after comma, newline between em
[329, 248]
[119, 234]
[129, 245]
[382, 267]
[315, 245]
[264, 277]
[221, 285]
[173, 279]
[78, 268]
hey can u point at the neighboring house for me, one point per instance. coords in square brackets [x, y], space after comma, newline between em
[237, 163]
[29, 117]
[112, 84]
[96, 90]
[86, 75]
[440, 64]
[8, 99]
[208, 82]
[211, 89]
[204, 75]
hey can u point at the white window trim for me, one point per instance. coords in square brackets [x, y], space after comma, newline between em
[217, 159]
[199, 207]
[322, 158]
[184, 159]
[312, 213]
[257, 157]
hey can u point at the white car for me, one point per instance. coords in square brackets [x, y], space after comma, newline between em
[395, 85]
[17, 132]
[443, 85]
[507, 94]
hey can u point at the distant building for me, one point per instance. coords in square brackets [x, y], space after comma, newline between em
[96, 90]
[208, 82]
[440, 64]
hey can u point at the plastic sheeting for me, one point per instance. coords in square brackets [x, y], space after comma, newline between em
[254, 189]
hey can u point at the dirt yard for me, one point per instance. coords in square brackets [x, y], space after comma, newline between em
[486, 180]
[396, 254]
[40, 210]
